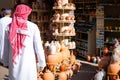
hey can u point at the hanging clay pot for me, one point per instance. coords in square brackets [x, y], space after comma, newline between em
[48, 75]
[62, 76]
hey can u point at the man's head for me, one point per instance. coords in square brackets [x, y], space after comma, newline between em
[7, 12]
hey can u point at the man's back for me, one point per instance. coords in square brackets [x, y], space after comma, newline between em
[4, 26]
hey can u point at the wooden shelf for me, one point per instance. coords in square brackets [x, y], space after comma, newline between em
[64, 21]
[64, 8]
[82, 40]
[63, 34]
[38, 10]
[85, 26]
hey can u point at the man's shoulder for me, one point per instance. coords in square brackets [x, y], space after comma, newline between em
[31, 23]
[5, 19]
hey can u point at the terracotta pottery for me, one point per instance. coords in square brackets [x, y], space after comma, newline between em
[39, 76]
[72, 58]
[76, 67]
[52, 61]
[105, 50]
[65, 54]
[113, 68]
[62, 76]
[48, 75]
[63, 67]
[60, 57]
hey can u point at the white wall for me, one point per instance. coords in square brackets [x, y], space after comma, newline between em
[6, 3]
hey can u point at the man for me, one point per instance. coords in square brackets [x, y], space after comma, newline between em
[2, 12]
[25, 42]
[4, 24]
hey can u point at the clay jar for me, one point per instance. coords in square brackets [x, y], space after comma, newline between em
[65, 52]
[113, 68]
[76, 67]
[39, 76]
[72, 58]
[105, 50]
[63, 67]
[52, 61]
[48, 75]
[60, 56]
[62, 76]
[57, 16]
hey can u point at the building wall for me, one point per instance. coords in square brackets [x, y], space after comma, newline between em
[6, 4]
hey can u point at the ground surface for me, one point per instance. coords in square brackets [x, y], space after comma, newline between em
[86, 72]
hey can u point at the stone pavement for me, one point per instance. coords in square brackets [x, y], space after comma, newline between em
[86, 72]
[3, 73]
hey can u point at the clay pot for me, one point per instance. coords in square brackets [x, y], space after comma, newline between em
[39, 76]
[65, 54]
[57, 16]
[113, 68]
[48, 75]
[68, 17]
[60, 57]
[62, 76]
[63, 67]
[52, 61]
[105, 50]
[76, 67]
[72, 58]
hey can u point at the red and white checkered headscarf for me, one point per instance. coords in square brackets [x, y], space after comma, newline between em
[19, 22]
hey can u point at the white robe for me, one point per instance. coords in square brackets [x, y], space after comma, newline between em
[25, 67]
[4, 45]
